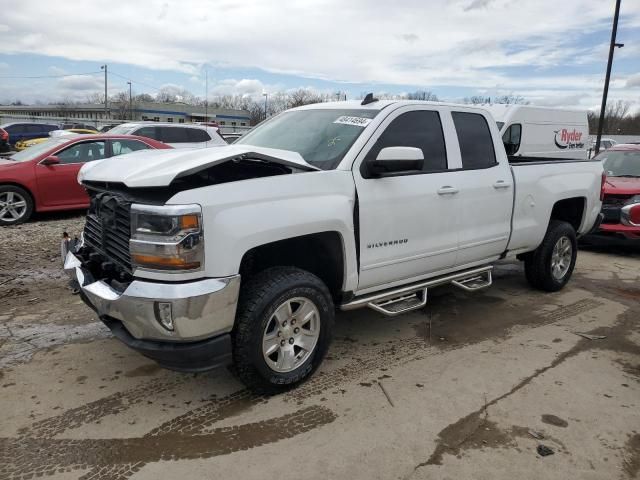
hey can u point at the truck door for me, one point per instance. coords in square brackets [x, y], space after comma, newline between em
[485, 199]
[407, 220]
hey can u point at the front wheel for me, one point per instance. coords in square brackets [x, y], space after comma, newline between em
[283, 328]
[16, 205]
[550, 266]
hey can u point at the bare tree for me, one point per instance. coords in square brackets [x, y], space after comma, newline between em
[511, 99]
[477, 100]
[617, 119]
[423, 95]
[95, 97]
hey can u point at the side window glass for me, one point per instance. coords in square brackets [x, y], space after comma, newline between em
[120, 147]
[511, 138]
[420, 129]
[197, 135]
[82, 152]
[173, 135]
[474, 137]
[149, 132]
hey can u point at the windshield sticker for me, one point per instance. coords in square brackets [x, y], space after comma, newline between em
[355, 121]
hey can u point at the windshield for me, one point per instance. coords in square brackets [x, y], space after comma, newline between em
[619, 163]
[321, 136]
[37, 149]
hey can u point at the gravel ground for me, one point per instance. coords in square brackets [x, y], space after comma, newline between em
[469, 387]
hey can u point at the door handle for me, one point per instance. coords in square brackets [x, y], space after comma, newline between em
[501, 184]
[447, 190]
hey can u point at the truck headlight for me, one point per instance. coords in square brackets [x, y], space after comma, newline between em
[167, 238]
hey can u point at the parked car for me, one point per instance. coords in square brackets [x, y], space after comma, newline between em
[106, 128]
[27, 130]
[22, 144]
[4, 141]
[81, 126]
[242, 252]
[176, 135]
[621, 202]
[530, 131]
[44, 177]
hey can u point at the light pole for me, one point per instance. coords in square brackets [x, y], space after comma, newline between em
[206, 95]
[612, 46]
[130, 102]
[266, 95]
[106, 99]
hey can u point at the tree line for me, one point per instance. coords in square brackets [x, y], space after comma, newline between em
[618, 118]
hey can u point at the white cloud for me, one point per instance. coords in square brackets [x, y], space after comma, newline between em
[464, 43]
[80, 83]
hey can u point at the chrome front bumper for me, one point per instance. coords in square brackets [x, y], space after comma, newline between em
[201, 309]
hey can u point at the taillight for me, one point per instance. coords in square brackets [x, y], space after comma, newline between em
[3, 134]
[603, 179]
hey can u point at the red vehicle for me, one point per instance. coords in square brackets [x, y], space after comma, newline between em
[43, 177]
[621, 202]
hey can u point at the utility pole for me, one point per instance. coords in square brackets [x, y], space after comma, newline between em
[130, 103]
[106, 98]
[612, 46]
[206, 94]
[266, 95]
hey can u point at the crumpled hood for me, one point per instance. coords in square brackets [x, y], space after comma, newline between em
[158, 168]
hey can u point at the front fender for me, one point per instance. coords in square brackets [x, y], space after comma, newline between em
[242, 215]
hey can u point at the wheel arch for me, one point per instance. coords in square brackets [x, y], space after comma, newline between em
[322, 254]
[571, 210]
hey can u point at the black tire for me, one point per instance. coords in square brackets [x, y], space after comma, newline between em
[18, 193]
[258, 301]
[538, 264]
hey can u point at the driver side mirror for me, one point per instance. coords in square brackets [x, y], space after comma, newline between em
[51, 160]
[393, 161]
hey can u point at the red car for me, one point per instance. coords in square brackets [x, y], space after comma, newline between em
[43, 177]
[621, 202]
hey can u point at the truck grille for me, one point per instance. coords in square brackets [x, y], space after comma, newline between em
[108, 229]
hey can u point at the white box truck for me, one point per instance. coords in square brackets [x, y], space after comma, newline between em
[529, 131]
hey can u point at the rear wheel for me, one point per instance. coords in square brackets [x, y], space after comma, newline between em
[283, 328]
[16, 205]
[550, 266]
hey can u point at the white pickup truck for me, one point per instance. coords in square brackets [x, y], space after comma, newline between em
[243, 253]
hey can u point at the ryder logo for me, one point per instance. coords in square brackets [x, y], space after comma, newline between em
[568, 139]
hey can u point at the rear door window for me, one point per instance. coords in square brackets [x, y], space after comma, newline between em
[120, 147]
[420, 129]
[173, 135]
[149, 132]
[197, 135]
[35, 129]
[474, 138]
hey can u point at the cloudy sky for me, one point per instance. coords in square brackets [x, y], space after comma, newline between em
[551, 52]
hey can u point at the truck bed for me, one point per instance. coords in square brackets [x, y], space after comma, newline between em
[523, 160]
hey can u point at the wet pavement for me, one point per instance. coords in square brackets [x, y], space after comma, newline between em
[469, 387]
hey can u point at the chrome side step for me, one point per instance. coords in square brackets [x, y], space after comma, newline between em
[402, 304]
[414, 296]
[477, 282]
